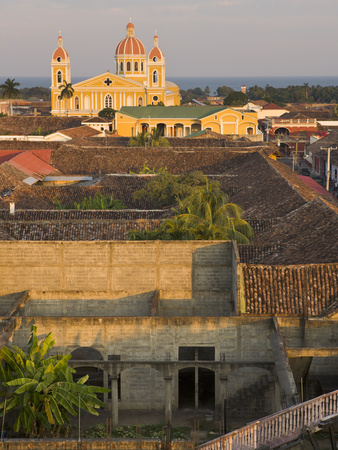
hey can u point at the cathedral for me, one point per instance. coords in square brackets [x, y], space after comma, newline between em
[139, 80]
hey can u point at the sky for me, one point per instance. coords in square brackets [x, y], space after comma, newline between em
[198, 37]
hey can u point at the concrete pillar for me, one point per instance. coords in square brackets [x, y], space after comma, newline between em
[114, 402]
[196, 387]
[223, 397]
[168, 400]
[105, 385]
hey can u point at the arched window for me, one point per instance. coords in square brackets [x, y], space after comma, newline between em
[121, 66]
[128, 66]
[108, 101]
[140, 101]
[136, 66]
[117, 66]
[155, 76]
[77, 102]
[59, 74]
[129, 100]
[142, 66]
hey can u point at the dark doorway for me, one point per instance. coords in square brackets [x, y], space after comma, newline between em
[206, 388]
[186, 388]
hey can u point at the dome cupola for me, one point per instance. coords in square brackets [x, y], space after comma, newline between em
[130, 45]
[60, 54]
[131, 56]
[156, 53]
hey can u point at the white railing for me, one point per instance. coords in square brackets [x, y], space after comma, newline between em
[280, 427]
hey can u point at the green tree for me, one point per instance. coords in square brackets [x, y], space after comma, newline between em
[224, 91]
[9, 90]
[40, 390]
[67, 92]
[166, 189]
[109, 113]
[236, 99]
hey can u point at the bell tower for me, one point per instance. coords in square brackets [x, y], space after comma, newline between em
[60, 65]
[156, 66]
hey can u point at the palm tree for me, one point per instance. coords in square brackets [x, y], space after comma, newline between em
[140, 140]
[9, 91]
[208, 213]
[157, 140]
[67, 92]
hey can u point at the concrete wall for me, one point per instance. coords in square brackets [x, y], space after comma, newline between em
[238, 341]
[199, 273]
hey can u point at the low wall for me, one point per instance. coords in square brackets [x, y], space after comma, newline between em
[89, 444]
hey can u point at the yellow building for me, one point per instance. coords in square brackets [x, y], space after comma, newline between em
[139, 80]
[183, 121]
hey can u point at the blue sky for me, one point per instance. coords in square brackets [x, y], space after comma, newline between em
[198, 37]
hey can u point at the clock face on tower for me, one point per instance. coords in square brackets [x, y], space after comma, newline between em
[155, 58]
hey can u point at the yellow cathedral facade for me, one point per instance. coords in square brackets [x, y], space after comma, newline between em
[139, 80]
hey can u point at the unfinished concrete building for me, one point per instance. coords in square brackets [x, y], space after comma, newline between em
[233, 329]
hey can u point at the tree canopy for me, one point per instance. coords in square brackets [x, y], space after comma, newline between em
[165, 189]
[39, 390]
[109, 113]
[236, 99]
[203, 213]
[9, 90]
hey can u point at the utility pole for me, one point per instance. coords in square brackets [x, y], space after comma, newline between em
[328, 171]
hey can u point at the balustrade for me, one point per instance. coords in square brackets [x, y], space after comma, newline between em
[285, 423]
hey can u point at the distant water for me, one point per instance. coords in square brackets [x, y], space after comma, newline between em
[213, 82]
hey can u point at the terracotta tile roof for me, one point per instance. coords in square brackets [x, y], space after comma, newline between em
[308, 234]
[330, 140]
[75, 214]
[290, 290]
[303, 189]
[263, 192]
[306, 114]
[78, 132]
[272, 106]
[78, 230]
[97, 119]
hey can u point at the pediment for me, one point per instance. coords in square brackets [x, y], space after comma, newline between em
[106, 80]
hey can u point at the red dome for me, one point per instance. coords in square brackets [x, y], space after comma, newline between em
[60, 52]
[130, 46]
[156, 52]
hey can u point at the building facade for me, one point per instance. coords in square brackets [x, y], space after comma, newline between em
[185, 121]
[139, 80]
